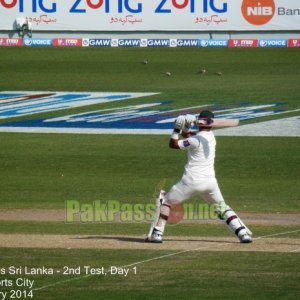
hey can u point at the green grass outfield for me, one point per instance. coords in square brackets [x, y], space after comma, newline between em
[205, 280]
[256, 174]
[43, 171]
[193, 275]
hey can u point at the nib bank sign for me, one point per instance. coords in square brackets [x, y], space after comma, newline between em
[261, 12]
[258, 12]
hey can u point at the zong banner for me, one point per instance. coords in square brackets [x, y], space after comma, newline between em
[148, 15]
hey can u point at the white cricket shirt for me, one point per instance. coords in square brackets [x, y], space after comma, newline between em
[201, 155]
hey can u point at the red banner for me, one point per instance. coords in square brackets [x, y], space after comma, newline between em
[67, 42]
[13, 42]
[243, 43]
[294, 43]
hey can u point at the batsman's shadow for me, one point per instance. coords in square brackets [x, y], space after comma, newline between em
[202, 241]
[142, 240]
[117, 238]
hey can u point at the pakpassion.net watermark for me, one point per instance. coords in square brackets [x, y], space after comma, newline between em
[115, 211]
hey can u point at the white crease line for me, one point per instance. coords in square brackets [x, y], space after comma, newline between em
[126, 266]
[160, 257]
[276, 234]
[296, 250]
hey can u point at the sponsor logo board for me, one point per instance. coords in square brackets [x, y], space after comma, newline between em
[64, 42]
[159, 42]
[35, 42]
[275, 43]
[96, 42]
[213, 43]
[93, 42]
[293, 43]
[125, 43]
[11, 42]
[243, 43]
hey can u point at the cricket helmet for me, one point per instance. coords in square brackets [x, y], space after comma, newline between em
[206, 114]
[205, 119]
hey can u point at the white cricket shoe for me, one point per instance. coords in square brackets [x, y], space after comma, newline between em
[245, 238]
[156, 236]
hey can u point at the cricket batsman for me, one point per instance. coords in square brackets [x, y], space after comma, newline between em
[198, 178]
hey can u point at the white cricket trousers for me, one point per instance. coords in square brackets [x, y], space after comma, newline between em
[207, 188]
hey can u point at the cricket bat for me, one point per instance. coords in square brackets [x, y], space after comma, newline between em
[157, 213]
[218, 122]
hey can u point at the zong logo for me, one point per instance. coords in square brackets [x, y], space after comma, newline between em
[258, 12]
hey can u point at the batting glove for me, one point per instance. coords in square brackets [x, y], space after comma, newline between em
[189, 120]
[179, 123]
